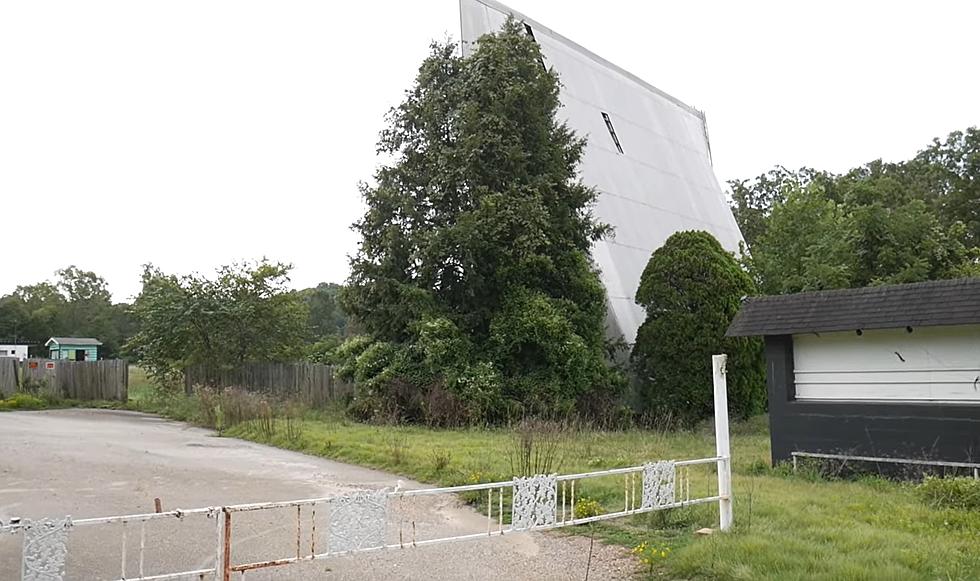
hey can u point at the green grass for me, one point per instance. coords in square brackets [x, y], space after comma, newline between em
[22, 401]
[787, 526]
[141, 387]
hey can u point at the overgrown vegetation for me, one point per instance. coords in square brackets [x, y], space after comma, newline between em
[952, 492]
[691, 290]
[787, 526]
[245, 313]
[473, 282]
[23, 401]
[880, 223]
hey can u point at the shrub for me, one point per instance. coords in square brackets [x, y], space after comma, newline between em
[691, 290]
[952, 492]
[22, 401]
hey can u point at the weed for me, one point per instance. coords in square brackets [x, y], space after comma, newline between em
[537, 447]
[22, 401]
[587, 508]
[651, 554]
[441, 458]
[293, 424]
[397, 447]
[264, 420]
[954, 492]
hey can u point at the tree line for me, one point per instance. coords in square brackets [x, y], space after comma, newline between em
[245, 312]
[880, 223]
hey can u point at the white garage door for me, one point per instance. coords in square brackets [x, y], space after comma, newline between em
[928, 364]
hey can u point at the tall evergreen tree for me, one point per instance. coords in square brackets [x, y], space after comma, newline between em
[478, 236]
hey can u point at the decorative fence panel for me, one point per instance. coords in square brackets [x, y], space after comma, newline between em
[312, 383]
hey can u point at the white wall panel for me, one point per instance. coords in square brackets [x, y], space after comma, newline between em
[661, 184]
[928, 364]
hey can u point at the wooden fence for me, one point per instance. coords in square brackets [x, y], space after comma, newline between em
[9, 376]
[82, 380]
[311, 383]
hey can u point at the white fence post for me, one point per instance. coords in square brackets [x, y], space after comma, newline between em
[722, 443]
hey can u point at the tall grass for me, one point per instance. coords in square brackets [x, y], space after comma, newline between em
[787, 526]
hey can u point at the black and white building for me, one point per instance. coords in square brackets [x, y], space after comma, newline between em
[888, 371]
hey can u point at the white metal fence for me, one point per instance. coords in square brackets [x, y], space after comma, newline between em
[366, 521]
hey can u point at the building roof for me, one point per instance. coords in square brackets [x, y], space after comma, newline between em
[923, 304]
[73, 341]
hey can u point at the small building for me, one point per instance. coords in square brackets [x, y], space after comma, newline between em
[888, 371]
[73, 348]
[13, 350]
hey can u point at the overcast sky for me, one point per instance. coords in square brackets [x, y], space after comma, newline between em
[195, 133]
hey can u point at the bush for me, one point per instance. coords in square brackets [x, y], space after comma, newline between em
[691, 290]
[953, 492]
[22, 401]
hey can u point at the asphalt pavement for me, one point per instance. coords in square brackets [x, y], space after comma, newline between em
[97, 463]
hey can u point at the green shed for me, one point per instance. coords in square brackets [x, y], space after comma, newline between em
[73, 348]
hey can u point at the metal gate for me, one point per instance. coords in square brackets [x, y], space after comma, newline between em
[376, 520]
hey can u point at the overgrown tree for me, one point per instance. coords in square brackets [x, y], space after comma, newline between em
[473, 281]
[691, 290]
[245, 313]
[876, 224]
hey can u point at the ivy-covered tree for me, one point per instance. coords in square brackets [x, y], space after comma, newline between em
[473, 281]
[691, 290]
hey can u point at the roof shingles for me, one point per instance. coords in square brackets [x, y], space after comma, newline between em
[923, 304]
[74, 341]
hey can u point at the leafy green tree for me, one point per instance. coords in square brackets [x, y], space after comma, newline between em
[245, 313]
[808, 245]
[691, 290]
[327, 318]
[473, 276]
[754, 200]
[877, 224]
[949, 173]
[77, 303]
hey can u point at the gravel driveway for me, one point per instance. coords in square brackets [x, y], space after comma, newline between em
[91, 463]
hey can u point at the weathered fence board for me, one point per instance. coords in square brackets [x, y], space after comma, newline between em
[83, 380]
[312, 383]
[9, 376]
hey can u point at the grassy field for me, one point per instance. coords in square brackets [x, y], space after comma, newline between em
[788, 526]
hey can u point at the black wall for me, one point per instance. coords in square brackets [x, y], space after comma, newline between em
[918, 431]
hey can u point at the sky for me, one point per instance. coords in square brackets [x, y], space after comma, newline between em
[190, 134]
